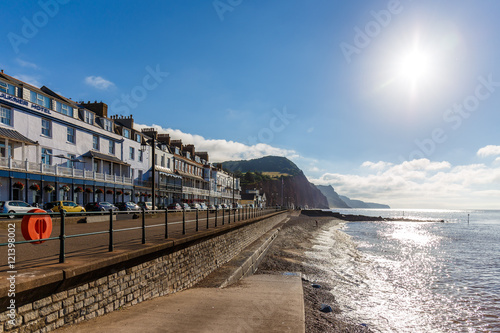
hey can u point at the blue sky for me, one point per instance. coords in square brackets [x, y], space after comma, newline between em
[388, 101]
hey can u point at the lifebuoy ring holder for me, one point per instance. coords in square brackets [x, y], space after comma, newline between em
[36, 226]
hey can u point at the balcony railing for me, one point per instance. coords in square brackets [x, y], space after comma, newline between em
[11, 164]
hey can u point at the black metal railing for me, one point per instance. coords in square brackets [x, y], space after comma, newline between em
[244, 213]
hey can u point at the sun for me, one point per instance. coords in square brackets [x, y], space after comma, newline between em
[414, 66]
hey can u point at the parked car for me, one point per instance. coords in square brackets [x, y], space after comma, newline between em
[102, 206]
[195, 206]
[15, 206]
[185, 206]
[211, 207]
[127, 206]
[174, 206]
[68, 206]
[147, 205]
[203, 206]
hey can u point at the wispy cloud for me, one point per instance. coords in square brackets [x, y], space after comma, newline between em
[489, 150]
[220, 150]
[26, 64]
[28, 79]
[98, 82]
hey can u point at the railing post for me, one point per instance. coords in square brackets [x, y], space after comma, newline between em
[166, 223]
[183, 221]
[234, 215]
[208, 212]
[197, 219]
[216, 213]
[110, 231]
[223, 214]
[62, 238]
[143, 225]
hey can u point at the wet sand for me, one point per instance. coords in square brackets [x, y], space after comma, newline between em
[287, 254]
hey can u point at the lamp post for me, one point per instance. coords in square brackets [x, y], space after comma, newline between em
[152, 133]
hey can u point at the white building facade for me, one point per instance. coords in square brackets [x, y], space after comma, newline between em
[52, 148]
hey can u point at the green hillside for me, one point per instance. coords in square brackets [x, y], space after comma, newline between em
[268, 164]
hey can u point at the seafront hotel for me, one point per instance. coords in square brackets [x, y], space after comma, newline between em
[53, 148]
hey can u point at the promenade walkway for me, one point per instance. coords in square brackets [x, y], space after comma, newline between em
[259, 303]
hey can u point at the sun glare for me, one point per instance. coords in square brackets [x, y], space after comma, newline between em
[414, 66]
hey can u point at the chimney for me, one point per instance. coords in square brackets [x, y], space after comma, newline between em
[190, 148]
[100, 108]
[164, 139]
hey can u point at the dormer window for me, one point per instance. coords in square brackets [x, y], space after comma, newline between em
[126, 133]
[7, 88]
[177, 151]
[138, 138]
[108, 125]
[89, 117]
[188, 155]
[40, 99]
[64, 109]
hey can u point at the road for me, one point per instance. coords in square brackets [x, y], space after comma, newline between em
[28, 256]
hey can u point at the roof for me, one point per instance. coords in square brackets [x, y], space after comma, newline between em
[166, 171]
[188, 175]
[105, 157]
[15, 136]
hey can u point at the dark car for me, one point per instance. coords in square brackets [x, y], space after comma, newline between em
[102, 206]
[127, 206]
[174, 206]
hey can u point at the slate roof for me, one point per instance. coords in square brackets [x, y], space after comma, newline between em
[15, 136]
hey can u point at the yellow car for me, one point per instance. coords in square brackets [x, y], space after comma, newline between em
[68, 206]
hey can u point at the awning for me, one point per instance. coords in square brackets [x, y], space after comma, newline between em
[105, 157]
[188, 175]
[14, 135]
[166, 171]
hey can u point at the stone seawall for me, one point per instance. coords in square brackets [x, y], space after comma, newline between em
[72, 294]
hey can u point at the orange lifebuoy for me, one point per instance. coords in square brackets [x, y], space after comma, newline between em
[36, 226]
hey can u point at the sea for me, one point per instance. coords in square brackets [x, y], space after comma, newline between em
[414, 276]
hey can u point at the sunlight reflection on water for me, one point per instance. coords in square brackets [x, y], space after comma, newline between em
[413, 277]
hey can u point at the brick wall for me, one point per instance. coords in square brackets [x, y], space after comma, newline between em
[113, 289]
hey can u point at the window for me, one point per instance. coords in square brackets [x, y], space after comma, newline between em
[126, 133]
[177, 151]
[64, 109]
[168, 163]
[46, 156]
[6, 116]
[96, 166]
[132, 153]
[71, 158]
[111, 147]
[141, 153]
[46, 127]
[40, 99]
[70, 136]
[95, 142]
[188, 155]
[108, 125]
[7, 88]
[89, 117]
[139, 174]
[163, 160]
[138, 138]
[4, 153]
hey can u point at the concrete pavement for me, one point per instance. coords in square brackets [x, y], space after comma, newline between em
[259, 303]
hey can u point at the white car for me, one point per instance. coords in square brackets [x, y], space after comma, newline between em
[15, 206]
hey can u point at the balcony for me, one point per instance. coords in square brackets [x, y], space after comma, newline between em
[55, 170]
